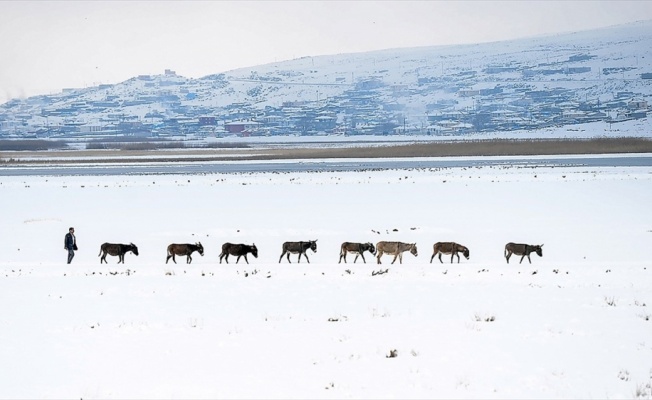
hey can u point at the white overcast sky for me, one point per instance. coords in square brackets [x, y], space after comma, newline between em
[49, 45]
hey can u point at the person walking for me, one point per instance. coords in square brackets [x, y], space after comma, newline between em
[70, 244]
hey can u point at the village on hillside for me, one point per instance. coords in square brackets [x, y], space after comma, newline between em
[538, 84]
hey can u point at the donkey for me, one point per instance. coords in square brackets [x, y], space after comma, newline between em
[451, 248]
[298, 247]
[396, 249]
[116, 249]
[358, 248]
[237, 250]
[184, 250]
[522, 250]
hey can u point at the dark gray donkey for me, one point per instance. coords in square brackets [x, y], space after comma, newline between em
[116, 249]
[237, 250]
[185, 249]
[522, 250]
[451, 248]
[298, 247]
[395, 249]
[357, 248]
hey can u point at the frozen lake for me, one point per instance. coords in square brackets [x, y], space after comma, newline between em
[327, 165]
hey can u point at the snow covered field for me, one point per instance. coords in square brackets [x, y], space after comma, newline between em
[573, 324]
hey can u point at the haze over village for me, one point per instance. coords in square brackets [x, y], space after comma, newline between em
[602, 75]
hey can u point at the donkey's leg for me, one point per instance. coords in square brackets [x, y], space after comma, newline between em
[306, 256]
[380, 253]
[361, 255]
[528, 258]
[395, 257]
[522, 257]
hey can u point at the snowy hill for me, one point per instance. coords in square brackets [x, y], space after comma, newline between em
[533, 83]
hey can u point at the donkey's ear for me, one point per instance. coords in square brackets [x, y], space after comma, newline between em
[541, 246]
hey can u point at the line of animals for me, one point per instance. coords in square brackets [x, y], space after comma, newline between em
[390, 248]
